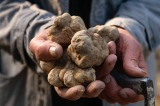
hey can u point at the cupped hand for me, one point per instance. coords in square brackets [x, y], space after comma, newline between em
[131, 61]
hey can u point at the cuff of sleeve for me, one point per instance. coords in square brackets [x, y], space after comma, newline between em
[131, 25]
[29, 23]
[39, 24]
[48, 24]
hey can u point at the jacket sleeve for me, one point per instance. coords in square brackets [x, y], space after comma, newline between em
[142, 19]
[20, 21]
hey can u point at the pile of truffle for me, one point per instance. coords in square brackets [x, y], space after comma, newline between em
[84, 49]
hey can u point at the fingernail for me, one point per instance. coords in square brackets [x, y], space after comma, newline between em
[98, 90]
[52, 51]
[107, 79]
[143, 71]
[124, 95]
[79, 92]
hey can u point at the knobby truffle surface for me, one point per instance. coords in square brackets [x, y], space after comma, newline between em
[83, 50]
[88, 49]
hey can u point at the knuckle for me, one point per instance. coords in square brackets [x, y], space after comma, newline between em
[31, 44]
[39, 51]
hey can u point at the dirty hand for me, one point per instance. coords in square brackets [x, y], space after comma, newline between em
[130, 59]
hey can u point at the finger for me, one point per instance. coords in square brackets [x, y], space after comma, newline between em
[44, 49]
[103, 96]
[107, 66]
[73, 93]
[94, 89]
[131, 61]
[112, 47]
[112, 90]
[48, 50]
[130, 95]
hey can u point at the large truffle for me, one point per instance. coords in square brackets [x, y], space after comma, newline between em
[88, 49]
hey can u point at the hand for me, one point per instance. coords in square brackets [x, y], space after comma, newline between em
[131, 61]
[44, 49]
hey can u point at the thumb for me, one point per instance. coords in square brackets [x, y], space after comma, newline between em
[134, 63]
[44, 49]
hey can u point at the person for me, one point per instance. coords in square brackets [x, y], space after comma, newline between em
[23, 43]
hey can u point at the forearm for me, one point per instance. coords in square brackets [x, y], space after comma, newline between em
[140, 18]
[136, 29]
